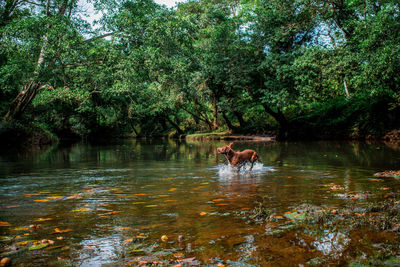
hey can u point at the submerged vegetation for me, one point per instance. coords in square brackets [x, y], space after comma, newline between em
[299, 69]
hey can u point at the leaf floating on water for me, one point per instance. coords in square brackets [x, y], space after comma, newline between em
[24, 243]
[54, 197]
[203, 213]
[136, 203]
[222, 204]
[205, 183]
[38, 246]
[126, 242]
[4, 224]
[172, 189]
[114, 189]
[218, 200]
[171, 200]
[21, 228]
[83, 209]
[163, 195]
[140, 194]
[73, 197]
[151, 206]
[41, 200]
[59, 231]
[43, 219]
[375, 180]
[164, 238]
[136, 251]
[296, 216]
[179, 255]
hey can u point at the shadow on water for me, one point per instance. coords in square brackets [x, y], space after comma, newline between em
[89, 204]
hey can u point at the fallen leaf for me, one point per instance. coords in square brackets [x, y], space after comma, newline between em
[112, 212]
[54, 197]
[41, 200]
[375, 180]
[179, 255]
[83, 209]
[218, 200]
[21, 228]
[59, 231]
[164, 238]
[43, 219]
[359, 214]
[23, 243]
[205, 183]
[203, 213]
[127, 241]
[38, 246]
[73, 197]
[113, 189]
[222, 204]
[136, 203]
[163, 195]
[5, 224]
[140, 194]
[151, 206]
[171, 200]
[136, 251]
[172, 189]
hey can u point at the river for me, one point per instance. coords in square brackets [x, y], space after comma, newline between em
[134, 202]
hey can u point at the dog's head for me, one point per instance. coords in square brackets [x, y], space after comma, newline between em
[225, 149]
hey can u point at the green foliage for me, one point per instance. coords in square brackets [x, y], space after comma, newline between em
[243, 66]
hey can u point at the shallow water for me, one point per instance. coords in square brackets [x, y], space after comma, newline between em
[111, 203]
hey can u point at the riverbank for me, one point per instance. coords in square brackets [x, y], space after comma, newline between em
[230, 137]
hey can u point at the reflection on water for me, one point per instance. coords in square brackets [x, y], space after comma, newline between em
[93, 204]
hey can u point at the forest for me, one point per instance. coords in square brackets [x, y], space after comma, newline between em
[293, 68]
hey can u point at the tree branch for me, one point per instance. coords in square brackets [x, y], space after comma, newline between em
[97, 37]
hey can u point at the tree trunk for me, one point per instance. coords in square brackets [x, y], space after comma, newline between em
[175, 125]
[23, 99]
[28, 93]
[280, 118]
[228, 122]
[239, 116]
[198, 118]
[215, 113]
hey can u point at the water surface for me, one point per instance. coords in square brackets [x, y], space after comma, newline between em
[110, 204]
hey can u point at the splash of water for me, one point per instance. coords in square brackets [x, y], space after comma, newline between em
[228, 170]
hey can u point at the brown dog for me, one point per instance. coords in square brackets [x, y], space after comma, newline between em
[238, 158]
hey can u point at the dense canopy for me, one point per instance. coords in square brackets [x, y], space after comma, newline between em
[305, 68]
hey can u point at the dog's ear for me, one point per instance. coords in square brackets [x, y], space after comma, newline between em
[230, 145]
